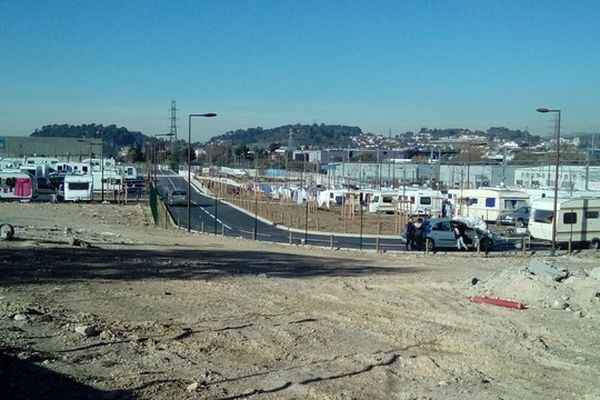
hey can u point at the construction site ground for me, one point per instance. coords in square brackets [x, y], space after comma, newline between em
[96, 302]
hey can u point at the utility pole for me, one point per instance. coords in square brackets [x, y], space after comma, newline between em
[173, 130]
[587, 164]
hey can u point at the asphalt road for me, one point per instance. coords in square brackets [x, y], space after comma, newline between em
[215, 216]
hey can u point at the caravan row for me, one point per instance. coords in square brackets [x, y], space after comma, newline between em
[414, 201]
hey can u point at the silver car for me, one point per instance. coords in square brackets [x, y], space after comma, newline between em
[439, 234]
[518, 217]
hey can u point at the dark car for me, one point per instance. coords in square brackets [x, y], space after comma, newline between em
[439, 234]
[518, 217]
[44, 184]
[177, 198]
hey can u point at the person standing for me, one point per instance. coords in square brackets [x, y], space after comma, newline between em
[459, 235]
[410, 234]
[419, 234]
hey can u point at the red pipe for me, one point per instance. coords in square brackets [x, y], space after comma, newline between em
[499, 302]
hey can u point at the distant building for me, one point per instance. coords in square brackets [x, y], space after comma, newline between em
[67, 149]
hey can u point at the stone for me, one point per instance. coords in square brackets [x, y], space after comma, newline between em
[20, 317]
[88, 330]
[192, 387]
[558, 305]
[547, 271]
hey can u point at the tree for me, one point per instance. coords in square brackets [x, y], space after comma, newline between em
[469, 154]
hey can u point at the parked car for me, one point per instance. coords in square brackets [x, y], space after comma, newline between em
[177, 198]
[439, 234]
[518, 217]
[44, 185]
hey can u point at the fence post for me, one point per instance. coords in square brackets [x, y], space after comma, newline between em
[202, 226]
[331, 241]
[222, 230]
[524, 244]
[377, 244]
[290, 238]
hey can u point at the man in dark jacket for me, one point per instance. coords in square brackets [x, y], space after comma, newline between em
[410, 235]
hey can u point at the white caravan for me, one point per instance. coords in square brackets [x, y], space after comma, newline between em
[383, 201]
[420, 201]
[17, 185]
[578, 220]
[488, 203]
[78, 187]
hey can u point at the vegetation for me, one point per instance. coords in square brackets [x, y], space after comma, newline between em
[112, 136]
[306, 135]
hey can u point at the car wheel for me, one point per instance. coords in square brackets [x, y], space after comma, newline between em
[520, 223]
[595, 244]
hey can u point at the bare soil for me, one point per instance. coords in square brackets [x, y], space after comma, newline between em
[177, 316]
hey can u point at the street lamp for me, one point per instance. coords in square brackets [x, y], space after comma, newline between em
[189, 209]
[554, 212]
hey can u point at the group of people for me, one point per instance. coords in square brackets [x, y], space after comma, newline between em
[415, 237]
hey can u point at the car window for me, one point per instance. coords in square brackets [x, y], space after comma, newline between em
[446, 226]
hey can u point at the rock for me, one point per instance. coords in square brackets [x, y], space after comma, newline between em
[475, 281]
[546, 270]
[560, 305]
[79, 243]
[20, 317]
[88, 330]
[193, 387]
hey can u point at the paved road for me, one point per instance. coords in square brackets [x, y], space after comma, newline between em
[216, 216]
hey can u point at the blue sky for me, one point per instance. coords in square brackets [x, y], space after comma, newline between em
[381, 65]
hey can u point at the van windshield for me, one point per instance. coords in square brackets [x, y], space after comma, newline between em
[543, 216]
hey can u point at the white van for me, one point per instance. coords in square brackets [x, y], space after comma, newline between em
[578, 220]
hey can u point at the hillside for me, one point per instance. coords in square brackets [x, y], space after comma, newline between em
[307, 135]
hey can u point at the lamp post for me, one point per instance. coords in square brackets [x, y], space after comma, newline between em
[189, 208]
[554, 211]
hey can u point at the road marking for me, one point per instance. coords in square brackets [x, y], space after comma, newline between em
[218, 220]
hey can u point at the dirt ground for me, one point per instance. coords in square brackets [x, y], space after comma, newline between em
[96, 302]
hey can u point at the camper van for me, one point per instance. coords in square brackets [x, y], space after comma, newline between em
[487, 204]
[420, 201]
[78, 188]
[578, 220]
[17, 185]
[383, 201]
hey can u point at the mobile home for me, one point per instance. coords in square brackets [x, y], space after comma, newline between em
[420, 201]
[578, 220]
[17, 185]
[383, 201]
[488, 203]
[78, 188]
